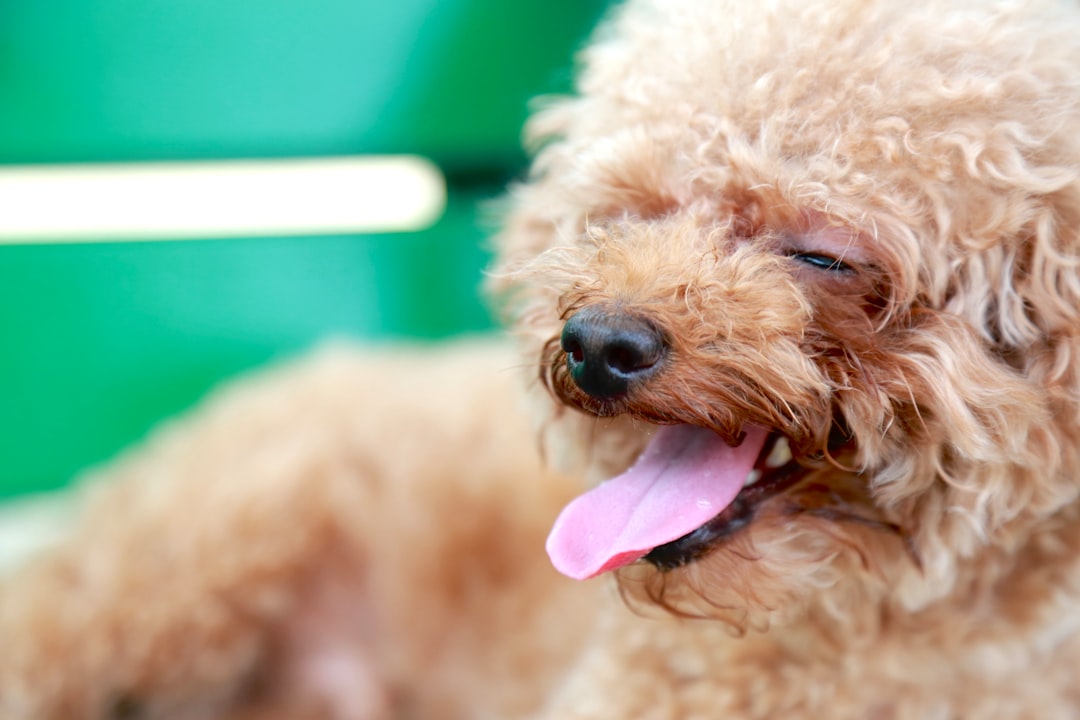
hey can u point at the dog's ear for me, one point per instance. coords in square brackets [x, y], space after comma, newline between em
[1040, 300]
[996, 375]
[1017, 279]
[1047, 286]
[1037, 304]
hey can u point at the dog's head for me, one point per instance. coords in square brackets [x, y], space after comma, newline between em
[804, 278]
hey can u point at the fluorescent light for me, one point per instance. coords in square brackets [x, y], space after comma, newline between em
[182, 200]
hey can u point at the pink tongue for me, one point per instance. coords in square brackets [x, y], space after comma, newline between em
[683, 479]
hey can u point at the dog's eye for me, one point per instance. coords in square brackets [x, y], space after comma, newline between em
[820, 261]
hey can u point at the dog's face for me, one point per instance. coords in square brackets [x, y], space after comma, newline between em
[804, 278]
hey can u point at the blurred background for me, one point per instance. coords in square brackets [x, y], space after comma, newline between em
[101, 340]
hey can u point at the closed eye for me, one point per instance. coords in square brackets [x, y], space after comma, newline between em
[821, 261]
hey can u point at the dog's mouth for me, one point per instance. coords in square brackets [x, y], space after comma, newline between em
[687, 491]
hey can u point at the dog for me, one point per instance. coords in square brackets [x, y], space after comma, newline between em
[795, 288]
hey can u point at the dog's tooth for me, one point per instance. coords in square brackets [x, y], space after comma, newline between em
[780, 454]
[752, 477]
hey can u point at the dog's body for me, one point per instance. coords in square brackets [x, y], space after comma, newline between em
[849, 228]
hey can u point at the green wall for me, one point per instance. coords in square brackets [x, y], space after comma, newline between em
[98, 342]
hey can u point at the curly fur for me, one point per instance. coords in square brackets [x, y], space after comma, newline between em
[936, 147]
[358, 536]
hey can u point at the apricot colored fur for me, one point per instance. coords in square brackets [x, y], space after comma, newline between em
[360, 535]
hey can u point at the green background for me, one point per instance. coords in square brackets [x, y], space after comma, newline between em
[98, 342]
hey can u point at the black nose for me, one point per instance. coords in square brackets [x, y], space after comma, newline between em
[608, 351]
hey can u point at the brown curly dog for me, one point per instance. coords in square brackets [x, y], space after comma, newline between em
[798, 280]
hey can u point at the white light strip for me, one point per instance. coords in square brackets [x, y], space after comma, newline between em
[29, 525]
[169, 201]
